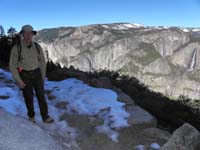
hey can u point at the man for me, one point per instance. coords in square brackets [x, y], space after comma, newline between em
[28, 67]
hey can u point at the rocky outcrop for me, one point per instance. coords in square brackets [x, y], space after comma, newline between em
[184, 138]
[73, 130]
[187, 57]
[166, 42]
[160, 57]
[129, 89]
[90, 139]
[17, 133]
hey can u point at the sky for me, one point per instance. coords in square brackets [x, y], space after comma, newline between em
[80, 98]
[50, 14]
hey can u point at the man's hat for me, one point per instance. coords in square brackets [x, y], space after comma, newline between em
[28, 28]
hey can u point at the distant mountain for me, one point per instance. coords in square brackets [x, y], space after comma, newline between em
[167, 59]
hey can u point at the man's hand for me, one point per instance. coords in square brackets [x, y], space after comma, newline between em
[21, 85]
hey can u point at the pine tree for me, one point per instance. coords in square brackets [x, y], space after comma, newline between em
[11, 31]
[2, 32]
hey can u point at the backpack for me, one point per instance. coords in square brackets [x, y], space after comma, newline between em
[19, 48]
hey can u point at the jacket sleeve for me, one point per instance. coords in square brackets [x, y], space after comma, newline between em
[42, 63]
[13, 64]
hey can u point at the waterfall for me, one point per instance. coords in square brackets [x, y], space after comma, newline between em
[193, 61]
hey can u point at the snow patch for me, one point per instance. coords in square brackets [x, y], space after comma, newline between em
[126, 26]
[155, 146]
[196, 30]
[165, 27]
[105, 26]
[185, 30]
[81, 99]
[87, 100]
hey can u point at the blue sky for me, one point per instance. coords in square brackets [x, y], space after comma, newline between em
[49, 13]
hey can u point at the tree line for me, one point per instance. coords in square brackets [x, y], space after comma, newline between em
[6, 43]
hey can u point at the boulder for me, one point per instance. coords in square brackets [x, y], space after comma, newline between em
[185, 137]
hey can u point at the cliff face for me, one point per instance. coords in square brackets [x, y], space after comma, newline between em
[165, 59]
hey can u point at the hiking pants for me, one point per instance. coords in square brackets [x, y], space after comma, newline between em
[33, 80]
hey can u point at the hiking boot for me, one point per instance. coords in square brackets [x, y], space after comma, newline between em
[32, 119]
[49, 120]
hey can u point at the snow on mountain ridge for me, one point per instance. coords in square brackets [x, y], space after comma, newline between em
[185, 30]
[126, 26]
[196, 30]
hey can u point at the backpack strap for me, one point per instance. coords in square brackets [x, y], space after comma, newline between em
[38, 50]
[19, 48]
